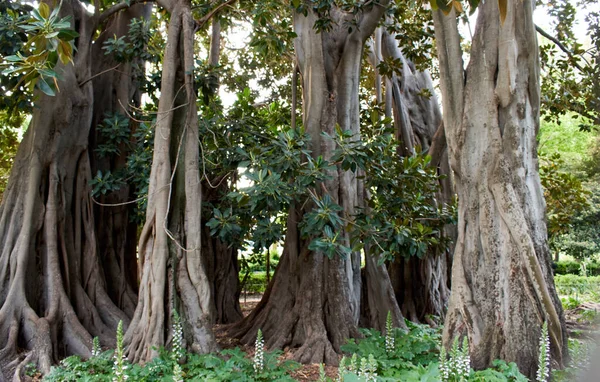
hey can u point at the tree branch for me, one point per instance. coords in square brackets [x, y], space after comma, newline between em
[120, 6]
[371, 18]
[559, 44]
[97, 74]
[200, 23]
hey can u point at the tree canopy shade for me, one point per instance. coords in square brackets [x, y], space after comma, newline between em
[349, 159]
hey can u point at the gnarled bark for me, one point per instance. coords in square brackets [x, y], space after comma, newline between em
[313, 302]
[172, 273]
[502, 286]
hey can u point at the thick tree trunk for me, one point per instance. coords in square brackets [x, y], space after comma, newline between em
[223, 273]
[173, 276]
[52, 289]
[313, 301]
[114, 90]
[502, 286]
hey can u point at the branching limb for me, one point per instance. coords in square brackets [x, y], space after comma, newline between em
[118, 7]
[200, 23]
[559, 44]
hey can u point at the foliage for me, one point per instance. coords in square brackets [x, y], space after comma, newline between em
[582, 239]
[564, 193]
[117, 136]
[228, 365]
[403, 217]
[570, 267]
[50, 39]
[566, 138]
[415, 358]
[576, 289]
[417, 347]
[570, 71]
[581, 353]
[8, 150]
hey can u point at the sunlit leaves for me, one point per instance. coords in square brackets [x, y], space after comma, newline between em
[50, 40]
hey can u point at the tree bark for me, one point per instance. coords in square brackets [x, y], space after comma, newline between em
[502, 285]
[116, 232]
[53, 295]
[173, 275]
[313, 302]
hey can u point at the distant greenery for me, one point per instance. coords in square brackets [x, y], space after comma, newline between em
[571, 267]
[577, 289]
[582, 239]
[566, 139]
[569, 168]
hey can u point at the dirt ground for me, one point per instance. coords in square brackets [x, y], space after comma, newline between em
[304, 373]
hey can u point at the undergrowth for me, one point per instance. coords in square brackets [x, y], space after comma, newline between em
[413, 355]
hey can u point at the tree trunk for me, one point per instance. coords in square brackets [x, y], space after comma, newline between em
[313, 302]
[173, 275]
[114, 90]
[52, 289]
[223, 273]
[502, 285]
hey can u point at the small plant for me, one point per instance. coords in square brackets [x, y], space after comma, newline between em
[368, 369]
[259, 353]
[96, 347]
[342, 369]
[543, 372]
[389, 333]
[119, 367]
[31, 370]
[458, 366]
[177, 346]
[177, 373]
[322, 375]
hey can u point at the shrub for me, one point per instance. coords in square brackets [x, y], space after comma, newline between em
[570, 267]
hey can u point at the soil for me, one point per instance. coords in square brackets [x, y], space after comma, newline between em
[308, 372]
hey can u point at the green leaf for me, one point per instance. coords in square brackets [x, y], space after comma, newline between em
[45, 87]
[67, 35]
[44, 10]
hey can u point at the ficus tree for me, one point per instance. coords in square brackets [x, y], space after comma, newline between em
[53, 295]
[502, 285]
[313, 301]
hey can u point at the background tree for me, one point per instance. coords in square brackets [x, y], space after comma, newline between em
[313, 301]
